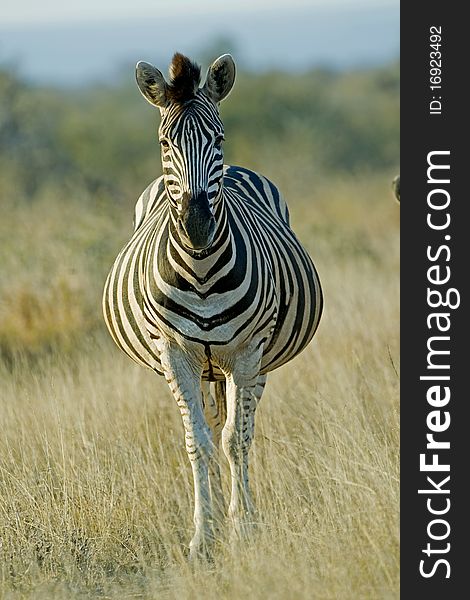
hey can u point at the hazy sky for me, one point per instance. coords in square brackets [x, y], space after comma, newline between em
[73, 43]
[21, 12]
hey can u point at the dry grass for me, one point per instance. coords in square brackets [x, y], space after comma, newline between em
[95, 491]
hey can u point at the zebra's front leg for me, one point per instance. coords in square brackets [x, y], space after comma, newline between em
[184, 379]
[243, 395]
[214, 410]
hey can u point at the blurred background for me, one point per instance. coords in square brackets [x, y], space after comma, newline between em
[316, 109]
[316, 102]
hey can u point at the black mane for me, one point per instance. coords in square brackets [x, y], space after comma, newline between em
[185, 77]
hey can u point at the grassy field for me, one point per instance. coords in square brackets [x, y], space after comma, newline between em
[95, 485]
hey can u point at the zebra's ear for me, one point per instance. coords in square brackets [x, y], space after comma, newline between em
[151, 83]
[220, 78]
[396, 187]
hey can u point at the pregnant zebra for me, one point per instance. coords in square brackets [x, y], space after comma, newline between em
[213, 290]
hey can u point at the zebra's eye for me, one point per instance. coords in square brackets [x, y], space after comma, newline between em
[164, 144]
[218, 141]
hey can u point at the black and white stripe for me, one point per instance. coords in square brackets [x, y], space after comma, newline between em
[255, 273]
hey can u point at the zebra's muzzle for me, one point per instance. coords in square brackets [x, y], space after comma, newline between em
[196, 225]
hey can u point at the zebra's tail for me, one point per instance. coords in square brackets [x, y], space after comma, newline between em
[221, 399]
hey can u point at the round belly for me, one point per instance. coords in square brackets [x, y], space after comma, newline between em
[299, 313]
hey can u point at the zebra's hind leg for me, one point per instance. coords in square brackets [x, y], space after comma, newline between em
[215, 413]
[242, 400]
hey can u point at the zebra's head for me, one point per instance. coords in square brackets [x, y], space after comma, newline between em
[191, 135]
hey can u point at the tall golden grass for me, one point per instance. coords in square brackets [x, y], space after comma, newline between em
[95, 486]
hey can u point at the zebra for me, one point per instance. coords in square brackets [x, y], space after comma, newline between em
[396, 187]
[213, 290]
